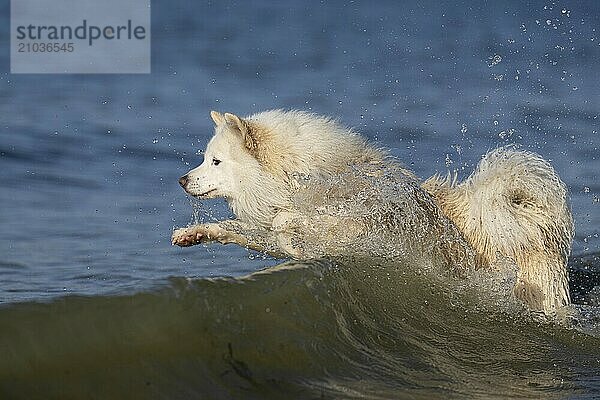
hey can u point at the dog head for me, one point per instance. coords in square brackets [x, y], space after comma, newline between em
[229, 160]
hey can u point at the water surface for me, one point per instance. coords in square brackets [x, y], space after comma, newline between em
[92, 292]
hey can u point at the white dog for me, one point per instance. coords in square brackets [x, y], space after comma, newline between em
[303, 186]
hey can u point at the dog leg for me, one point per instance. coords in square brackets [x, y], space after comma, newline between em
[303, 237]
[225, 232]
[285, 226]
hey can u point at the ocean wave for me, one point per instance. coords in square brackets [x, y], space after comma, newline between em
[370, 329]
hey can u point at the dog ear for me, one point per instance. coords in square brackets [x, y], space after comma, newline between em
[217, 118]
[235, 122]
[244, 128]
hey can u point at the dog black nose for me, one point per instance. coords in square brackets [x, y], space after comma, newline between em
[183, 180]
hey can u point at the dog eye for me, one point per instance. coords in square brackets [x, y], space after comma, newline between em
[216, 162]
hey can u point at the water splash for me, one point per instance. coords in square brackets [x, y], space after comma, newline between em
[199, 212]
[377, 210]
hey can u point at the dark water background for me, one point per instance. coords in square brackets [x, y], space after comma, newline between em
[89, 197]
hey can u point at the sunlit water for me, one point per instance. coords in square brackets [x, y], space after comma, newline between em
[96, 302]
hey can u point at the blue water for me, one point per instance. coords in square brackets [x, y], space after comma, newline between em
[89, 163]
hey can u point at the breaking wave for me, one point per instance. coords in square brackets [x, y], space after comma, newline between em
[370, 329]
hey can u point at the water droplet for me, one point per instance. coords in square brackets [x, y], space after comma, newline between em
[448, 161]
[494, 60]
[506, 134]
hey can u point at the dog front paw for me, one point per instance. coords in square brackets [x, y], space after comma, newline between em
[195, 234]
[189, 236]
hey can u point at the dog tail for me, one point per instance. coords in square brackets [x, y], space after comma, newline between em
[515, 205]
